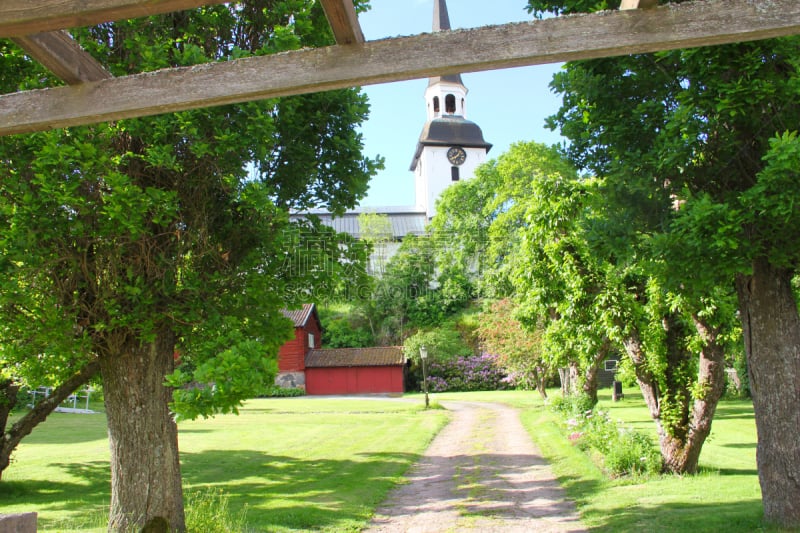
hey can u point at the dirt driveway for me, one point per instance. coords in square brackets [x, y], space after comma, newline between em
[480, 473]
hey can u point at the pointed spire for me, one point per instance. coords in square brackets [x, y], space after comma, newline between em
[441, 21]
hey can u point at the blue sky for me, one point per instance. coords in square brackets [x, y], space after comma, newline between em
[509, 105]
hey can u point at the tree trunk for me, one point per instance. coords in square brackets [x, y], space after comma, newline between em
[771, 331]
[647, 382]
[682, 455]
[683, 441]
[8, 400]
[40, 412]
[541, 382]
[590, 375]
[574, 375]
[146, 489]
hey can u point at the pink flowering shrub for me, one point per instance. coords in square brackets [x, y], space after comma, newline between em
[469, 373]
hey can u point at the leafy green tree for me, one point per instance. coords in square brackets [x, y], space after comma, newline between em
[518, 349]
[461, 233]
[703, 142]
[591, 285]
[126, 242]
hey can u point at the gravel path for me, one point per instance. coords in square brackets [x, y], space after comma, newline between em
[480, 473]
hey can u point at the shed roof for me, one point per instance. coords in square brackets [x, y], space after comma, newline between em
[348, 357]
[299, 316]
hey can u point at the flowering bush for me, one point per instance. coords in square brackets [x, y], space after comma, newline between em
[470, 373]
[623, 450]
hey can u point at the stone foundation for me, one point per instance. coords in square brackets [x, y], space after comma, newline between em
[291, 380]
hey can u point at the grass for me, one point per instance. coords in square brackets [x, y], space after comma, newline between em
[287, 464]
[323, 464]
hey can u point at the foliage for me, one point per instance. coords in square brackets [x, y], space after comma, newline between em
[172, 231]
[702, 171]
[519, 350]
[175, 220]
[343, 327]
[570, 405]
[470, 373]
[460, 230]
[585, 282]
[283, 392]
[443, 343]
[624, 451]
[209, 511]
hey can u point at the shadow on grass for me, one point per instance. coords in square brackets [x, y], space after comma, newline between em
[740, 445]
[88, 496]
[734, 409]
[743, 515]
[282, 492]
[279, 492]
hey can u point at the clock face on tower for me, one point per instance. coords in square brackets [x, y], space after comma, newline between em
[456, 155]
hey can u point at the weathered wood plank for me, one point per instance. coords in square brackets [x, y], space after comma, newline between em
[63, 56]
[19, 18]
[545, 41]
[341, 15]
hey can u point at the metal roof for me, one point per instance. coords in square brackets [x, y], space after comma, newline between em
[348, 357]
[404, 221]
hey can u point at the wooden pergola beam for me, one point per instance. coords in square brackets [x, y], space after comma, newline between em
[552, 40]
[20, 18]
[63, 56]
[342, 17]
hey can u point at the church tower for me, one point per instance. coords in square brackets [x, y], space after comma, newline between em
[450, 147]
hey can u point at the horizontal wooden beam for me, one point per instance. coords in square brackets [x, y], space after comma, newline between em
[63, 56]
[575, 37]
[19, 18]
[341, 15]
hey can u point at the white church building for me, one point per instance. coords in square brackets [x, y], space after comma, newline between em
[449, 149]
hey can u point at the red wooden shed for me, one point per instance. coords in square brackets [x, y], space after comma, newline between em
[292, 355]
[355, 370]
[303, 364]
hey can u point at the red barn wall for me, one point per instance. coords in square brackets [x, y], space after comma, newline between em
[292, 355]
[354, 380]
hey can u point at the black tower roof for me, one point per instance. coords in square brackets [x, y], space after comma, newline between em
[450, 131]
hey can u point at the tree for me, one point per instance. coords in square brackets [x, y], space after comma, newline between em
[519, 350]
[591, 283]
[126, 241]
[710, 131]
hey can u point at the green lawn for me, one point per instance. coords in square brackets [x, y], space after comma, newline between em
[312, 463]
[295, 464]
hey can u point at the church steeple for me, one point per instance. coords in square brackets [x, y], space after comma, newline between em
[441, 21]
[450, 147]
